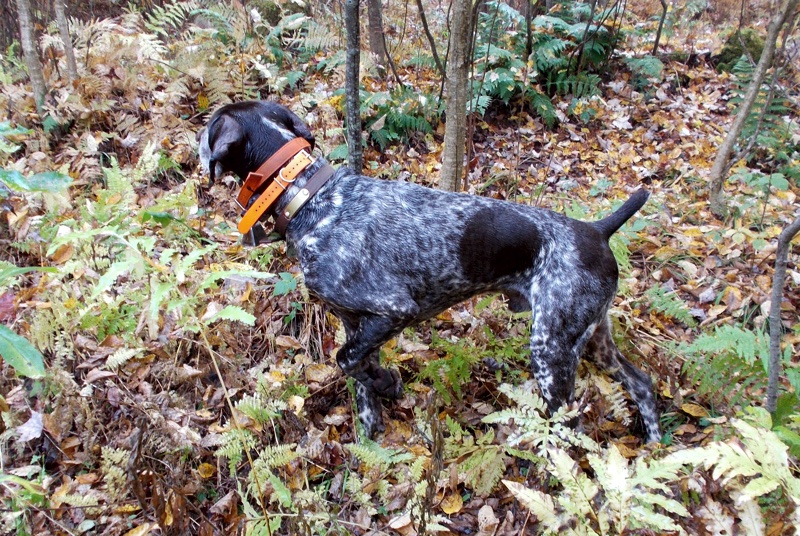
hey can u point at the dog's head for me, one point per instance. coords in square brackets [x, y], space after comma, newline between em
[242, 136]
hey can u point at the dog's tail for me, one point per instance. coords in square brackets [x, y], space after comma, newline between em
[609, 225]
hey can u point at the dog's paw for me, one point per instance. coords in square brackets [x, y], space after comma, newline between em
[388, 384]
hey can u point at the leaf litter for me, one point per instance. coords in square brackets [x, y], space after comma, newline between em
[125, 436]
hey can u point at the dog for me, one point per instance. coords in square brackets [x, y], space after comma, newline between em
[386, 254]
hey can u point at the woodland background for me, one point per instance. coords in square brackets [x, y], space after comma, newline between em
[158, 377]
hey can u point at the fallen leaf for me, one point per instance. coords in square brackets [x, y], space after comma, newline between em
[452, 503]
[694, 410]
[487, 521]
[141, 530]
[32, 428]
[205, 470]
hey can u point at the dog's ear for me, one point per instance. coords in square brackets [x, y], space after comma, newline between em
[224, 134]
[297, 125]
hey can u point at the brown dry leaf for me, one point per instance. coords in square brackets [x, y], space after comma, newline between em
[32, 428]
[97, 374]
[320, 373]
[225, 504]
[141, 530]
[694, 410]
[206, 470]
[7, 308]
[732, 297]
[63, 254]
[452, 503]
[285, 341]
[626, 451]
[403, 525]
[487, 521]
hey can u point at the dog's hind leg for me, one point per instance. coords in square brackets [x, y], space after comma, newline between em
[601, 350]
[359, 358]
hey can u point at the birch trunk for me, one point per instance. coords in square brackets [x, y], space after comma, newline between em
[63, 30]
[31, 52]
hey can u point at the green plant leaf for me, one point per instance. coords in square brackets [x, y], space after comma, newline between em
[232, 312]
[20, 354]
[49, 181]
[7, 274]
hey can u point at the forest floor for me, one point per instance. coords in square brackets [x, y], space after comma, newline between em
[192, 386]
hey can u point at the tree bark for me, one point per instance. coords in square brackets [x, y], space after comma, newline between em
[352, 98]
[778, 278]
[63, 30]
[377, 44]
[31, 52]
[431, 40]
[664, 9]
[457, 84]
[722, 163]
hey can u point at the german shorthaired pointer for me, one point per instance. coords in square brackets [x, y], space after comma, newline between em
[386, 254]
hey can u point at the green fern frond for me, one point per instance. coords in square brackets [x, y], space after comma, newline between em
[729, 356]
[168, 17]
[233, 445]
[121, 356]
[274, 456]
[544, 108]
[260, 410]
[318, 37]
[533, 428]
[668, 303]
[371, 454]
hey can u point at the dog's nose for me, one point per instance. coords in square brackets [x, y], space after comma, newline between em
[199, 135]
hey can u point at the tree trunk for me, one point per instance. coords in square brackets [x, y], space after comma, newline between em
[352, 99]
[63, 29]
[431, 40]
[457, 84]
[31, 52]
[377, 44]
[664, 9]
[722, 163]
[784, 244]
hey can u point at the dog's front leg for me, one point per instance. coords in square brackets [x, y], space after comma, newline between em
[359, 358]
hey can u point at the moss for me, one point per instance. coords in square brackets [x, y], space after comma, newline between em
[732, 50]
[273, 11]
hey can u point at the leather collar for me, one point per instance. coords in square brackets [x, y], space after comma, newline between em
[277, 174]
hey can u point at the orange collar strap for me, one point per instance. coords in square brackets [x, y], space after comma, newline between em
[280, 170]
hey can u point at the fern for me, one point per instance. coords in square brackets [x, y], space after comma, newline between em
[544, 108]
[449, 373]
[233, 445]
[163, 20]
[751, 465]
[619, 499]
[532, 428]
[668, 303]
[400, 115]
[773, 126]
[371, 454]
[260, 410]
[483, 463]
[731, 356]
[113, 465]
[121, 356]
[317, 37]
